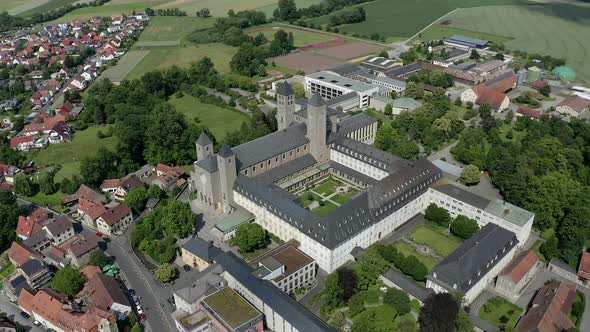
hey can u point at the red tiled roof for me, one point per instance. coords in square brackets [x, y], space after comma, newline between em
[536, 114]
[539, 84]
[549, 309]
[47, 124]
[110, 183]
[103, 290]
[576, 103]
[82, 246]
[584, 268]
[20, 253]
[115, 214]
[91, 209]
[27, 227]
[15, 141]
[520, 265]
[486, 95]
[504, 84]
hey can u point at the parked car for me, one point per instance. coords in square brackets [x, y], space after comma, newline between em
[25, 315]
[186, 267]
[139, 310]
[99, 234]
[36, 323]
[135, 300]
[131, 291]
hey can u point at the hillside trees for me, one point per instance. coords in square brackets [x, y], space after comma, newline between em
[9, 212]
[438, 314]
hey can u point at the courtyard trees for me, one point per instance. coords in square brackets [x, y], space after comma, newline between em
[464, 227]
[437, 215]
[470, 175]
[439, 313]
[250, 237]
[68, 281]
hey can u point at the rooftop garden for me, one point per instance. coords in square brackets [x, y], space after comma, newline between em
[231, 307]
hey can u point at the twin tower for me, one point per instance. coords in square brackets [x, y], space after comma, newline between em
[316, 119]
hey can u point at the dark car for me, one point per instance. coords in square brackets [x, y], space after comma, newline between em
[186, 267]
[131, 291]
[25, 315]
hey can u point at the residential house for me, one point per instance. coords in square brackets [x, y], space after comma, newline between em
[89, 212]
[168, 177]
[110, 185]
[127, 183]
[36, 273]
[517, 274]
[22, 143]
[59, 231]
[80, 249]
[492, 92]
[115, 220]
[8, 173]
[53, 310]
[198, 253]
[19, 253]
[549, 309]
[529, 112]
[584, 268]
[104, 292]
[31, 224]
[84, 192]
[574, 106]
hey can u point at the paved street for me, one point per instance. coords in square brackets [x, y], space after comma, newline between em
[12, 311]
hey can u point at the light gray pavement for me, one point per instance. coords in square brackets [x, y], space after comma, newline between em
[13, 313]
[405, 229]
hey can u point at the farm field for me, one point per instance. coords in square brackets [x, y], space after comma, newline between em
[69, 155]
[119, 71]
[108, 10]
[404, 18]
[300, 4]
[221, 7]
[438, 31]
[307, 62]
[32, 7]
[560, 30]
[15, 7]
[162, 57]
[301, 37]
[171, 28]
[218, 119]
[350, 50]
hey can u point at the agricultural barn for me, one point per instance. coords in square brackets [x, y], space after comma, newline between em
[465, 42]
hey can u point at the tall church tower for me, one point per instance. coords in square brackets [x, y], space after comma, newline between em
[285, 105]
[204, 146]
[316, 127]
[226, 163]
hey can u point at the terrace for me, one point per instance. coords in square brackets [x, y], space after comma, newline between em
[326, 194]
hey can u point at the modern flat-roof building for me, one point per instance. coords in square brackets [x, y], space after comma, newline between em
[472, 266]
[329, 85]
[465, 42]
[380, 64]
[228, 311]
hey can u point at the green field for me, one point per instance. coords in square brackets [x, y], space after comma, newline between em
[443, 245]
[162, 57]
[404, 18]
[218, 119]
[407, 250]
[107, 10]
[166, 28]
[300, 4]
[438, 31]
[221, 7]
[500, 312]
[36, 7]
[301, 37]
[125, 64]
[560, 29]
[68, 155]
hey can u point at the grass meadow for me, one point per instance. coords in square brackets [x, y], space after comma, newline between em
[168, 28]
[300, 37]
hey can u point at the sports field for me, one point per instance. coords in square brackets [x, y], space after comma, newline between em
[84, 144]
[218, 119]
[119, 71]
[404, 18]
[300, 37]
[162, 57]
[560, 30]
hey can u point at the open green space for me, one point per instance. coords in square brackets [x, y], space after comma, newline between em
[53, 201]
[268, 9]
[126, 63]
[36, 7]
[557, 29]
[323, 211]
[438, 31]
[84, 144]
[218, 119]
[221, 7]
[577, 310]
[107, 10]
[404, 18]
[442, 244]
[500, 312]
[165, 28]
[407, 250]
[232, 308]
[182, 55]
[320, 190]
[6, 271]
[300, 37]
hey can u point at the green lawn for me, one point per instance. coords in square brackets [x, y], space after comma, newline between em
[6, 271]
[107, 10]
[580, 301]
[500, 312]
[234, 310]
[166, 28]
[407, 250]
[557, 29]
[326, 188]
[301, 37]
[443, 245]
[182, 55]
[68, 155]
[221, 7]
[42, 6]
[124, 66]
[53, 201]
[218, 119]
[323, 211]
[438, 31]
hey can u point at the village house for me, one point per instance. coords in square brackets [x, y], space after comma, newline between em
[80, 249]
[104, 292]
[492, 92]
[549, 309]
[574, 106]
[517, 274]
[115, 220]
[89, 212]
[127, 183]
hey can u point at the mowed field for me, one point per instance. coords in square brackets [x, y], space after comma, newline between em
[126, 63]
[221, 7]
[404, 18]
[84, 144]
[300, 37]
[122, 7]
[171, 28]
[560, 30]
[438, 31]
[218, 119]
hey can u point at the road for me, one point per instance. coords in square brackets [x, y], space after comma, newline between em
[12, 311]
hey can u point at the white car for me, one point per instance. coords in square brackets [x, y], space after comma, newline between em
[139, 310]
[135, 300]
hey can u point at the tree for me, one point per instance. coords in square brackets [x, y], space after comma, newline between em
[46, 184]
[347, 280]
[439, 313]
[250, 237]
[281, 43]
[99, 258]
[333, 292]
[356, 304]
[464, 227]
[136, 199]
[287, 10]
[369, 267]
[384, 54]
[499, 56]
[136, 328]
[156, 192]
[414, 90]
[437, 215]
[398, 299]
[23, 185]
[470, 174]
[549, 248]
[463, 322]
[298, 89]
[474, 54]
[9, 212]
[179, 219]
[375, 319]
[68, 281]
[247, 60]
[545, 90]
[388, 110]
[204, 12]
[165, 273]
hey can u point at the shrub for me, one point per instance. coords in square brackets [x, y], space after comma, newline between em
[464, 227]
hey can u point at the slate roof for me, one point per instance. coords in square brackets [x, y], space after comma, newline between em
[59, 226]
[201, 248]
[209, 164]
[271, 145]
[204, 139]
[471, 261]
[355, 122]
[284, 89]
[286, 169]
[370, 155]
[32, 267]
[408, 285]
[291, 310]
[316, 100]
[467, 41]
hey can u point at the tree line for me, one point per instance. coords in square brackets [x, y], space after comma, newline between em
[287, 9]
[165, 12]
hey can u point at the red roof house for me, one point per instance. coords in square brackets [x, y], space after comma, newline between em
[584, 268]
